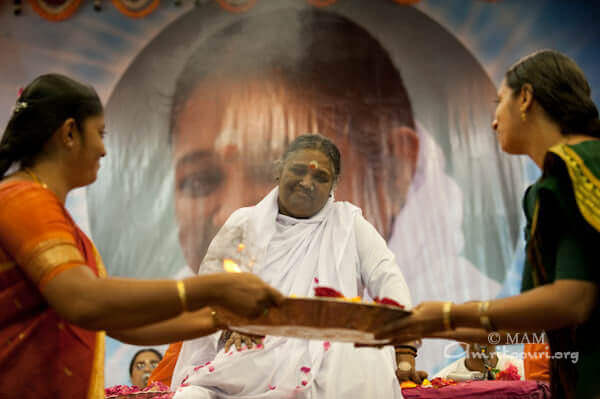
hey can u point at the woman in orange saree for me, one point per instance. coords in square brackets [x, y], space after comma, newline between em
[55, 298]
[39, 241]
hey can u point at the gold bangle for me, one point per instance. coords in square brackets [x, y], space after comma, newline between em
[182, 296]
[447, 313]
[484, 319]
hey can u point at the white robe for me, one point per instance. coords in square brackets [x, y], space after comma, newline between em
[338, 248]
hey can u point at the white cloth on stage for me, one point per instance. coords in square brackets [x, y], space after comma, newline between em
[336, 248]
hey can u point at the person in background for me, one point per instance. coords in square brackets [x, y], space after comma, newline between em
[141, 366]
[56, 299]
[544, 111]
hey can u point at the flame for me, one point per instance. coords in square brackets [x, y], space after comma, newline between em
[230, 266]
[240, 247]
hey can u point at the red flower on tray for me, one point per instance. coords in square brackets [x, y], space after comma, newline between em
[388, 301]
[327, 292]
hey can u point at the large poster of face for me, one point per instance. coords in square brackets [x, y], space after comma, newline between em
[206, 109]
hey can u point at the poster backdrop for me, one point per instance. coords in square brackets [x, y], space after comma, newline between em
[201, 101]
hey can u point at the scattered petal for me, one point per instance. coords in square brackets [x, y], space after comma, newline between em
[271, 387]
[326, 345]
[327, 292]
[211, 369]
[259, 346]
[388, 301]
[316, 280]
[304, 382]
[198, 367]
[305, 369]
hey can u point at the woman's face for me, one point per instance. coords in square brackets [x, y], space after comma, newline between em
[143, 365]
[305, 183]
[90, 150]
[507, 121]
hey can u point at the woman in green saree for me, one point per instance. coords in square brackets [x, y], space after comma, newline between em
[544, 111]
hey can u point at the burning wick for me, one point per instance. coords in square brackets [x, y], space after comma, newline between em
[313, 164]
[240, 247]
[230, 266]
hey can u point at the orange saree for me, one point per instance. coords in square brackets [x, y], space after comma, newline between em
[536, 362]
[164, 371]
[42, 355]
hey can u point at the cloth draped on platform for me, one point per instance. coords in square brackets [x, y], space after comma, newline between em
[337, 248]
[43, 356]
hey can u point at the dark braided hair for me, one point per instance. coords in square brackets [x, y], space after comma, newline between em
[41, 109]
[560, 87]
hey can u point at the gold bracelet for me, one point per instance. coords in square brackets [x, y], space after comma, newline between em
[182, 296]
[484, 319]
[447, 313]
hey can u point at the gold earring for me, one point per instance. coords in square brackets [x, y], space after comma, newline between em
[523, 116]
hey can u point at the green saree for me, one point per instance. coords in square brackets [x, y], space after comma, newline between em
[563, 239]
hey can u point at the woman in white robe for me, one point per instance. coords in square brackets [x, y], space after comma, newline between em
[300, 237]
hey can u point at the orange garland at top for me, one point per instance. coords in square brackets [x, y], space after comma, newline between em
[62, 12]
[225, 4]
[133, 13]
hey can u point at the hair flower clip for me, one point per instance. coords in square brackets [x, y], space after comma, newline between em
[20, 106]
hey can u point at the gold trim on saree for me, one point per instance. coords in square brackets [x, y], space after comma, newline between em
[96, 390]
[586, 185]
[50, 255]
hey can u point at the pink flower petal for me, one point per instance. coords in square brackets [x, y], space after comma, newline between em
[259, 346]
[185, 379]
[271, 387]
[185, 385]
[207, 363]
[316, 280]
[211, 369]
[304, 382]
[326, 345]
[305, 369]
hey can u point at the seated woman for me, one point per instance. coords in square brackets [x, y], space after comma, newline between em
[301, 238]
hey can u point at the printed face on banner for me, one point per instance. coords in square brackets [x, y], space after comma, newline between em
[238, 107]
[225, 146]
